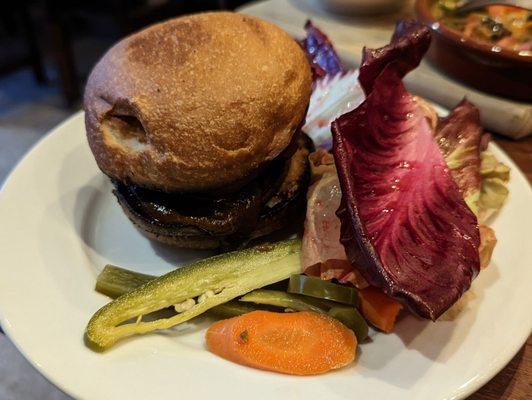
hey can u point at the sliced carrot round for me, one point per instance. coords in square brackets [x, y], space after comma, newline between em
[301, 343]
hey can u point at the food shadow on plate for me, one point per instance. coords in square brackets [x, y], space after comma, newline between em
[107, 235]
[176, 256]
[435, 342]
[411, 334]
[62, 215]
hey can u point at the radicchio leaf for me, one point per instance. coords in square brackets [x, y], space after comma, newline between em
[459, 137]
[321, 53]
[404, 222]
[409, 44]
[335, 92]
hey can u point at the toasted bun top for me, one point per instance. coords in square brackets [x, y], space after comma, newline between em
[196, 103]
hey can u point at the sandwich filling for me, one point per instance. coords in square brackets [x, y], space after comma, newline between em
[207, 221]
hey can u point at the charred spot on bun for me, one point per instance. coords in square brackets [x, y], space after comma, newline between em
[197, 120]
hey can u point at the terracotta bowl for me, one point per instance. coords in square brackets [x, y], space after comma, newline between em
[484, 66]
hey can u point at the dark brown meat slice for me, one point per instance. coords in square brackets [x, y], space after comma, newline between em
[195, 221]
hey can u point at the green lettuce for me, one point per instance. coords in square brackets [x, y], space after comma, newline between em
[482, 178]
[459, 137]
[494, 185]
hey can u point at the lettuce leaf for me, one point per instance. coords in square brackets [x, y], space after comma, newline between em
[494, 186]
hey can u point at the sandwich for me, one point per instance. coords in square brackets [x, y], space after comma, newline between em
[197, 122]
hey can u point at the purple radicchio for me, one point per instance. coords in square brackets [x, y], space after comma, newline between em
[459, 136]
[404, 221]
[320, 51]
[336, 90]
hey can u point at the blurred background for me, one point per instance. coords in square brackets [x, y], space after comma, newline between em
[47, 49]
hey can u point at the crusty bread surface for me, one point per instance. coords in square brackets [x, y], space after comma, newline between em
[197, 103]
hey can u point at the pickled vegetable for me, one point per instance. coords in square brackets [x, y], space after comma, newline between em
[207, 282]
[315, 287]
[234, 308]
[380, 310]
[114, 281]
[284, 300]
[350, 317]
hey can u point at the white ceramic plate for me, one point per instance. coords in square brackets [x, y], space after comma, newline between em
[60, 224]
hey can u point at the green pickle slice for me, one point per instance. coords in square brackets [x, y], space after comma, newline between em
[194, 288]
[282, 299]
[224, 278]
[318, 288]
[114, 281]
[234, 308]
[350, 317]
